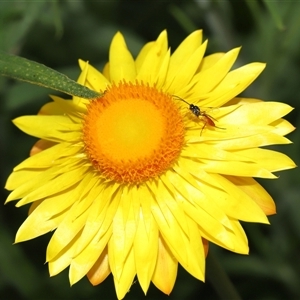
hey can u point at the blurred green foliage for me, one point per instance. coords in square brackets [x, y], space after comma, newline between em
[57, 33]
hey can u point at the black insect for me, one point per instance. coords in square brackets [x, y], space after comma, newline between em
[206, 118]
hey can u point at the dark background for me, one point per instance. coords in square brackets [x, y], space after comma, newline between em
[57, 33]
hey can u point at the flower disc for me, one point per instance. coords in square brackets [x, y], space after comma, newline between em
[133, 133]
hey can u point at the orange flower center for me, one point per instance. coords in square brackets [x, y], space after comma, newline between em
[132, 133]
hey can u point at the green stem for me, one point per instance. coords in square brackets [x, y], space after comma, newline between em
[219, 279]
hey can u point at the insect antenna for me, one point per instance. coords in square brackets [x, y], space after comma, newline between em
[192, 107]
[179, 98]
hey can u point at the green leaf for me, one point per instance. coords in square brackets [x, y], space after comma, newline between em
[26, 70]
[275, 13]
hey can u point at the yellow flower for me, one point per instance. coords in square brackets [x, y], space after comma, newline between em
[140, 179]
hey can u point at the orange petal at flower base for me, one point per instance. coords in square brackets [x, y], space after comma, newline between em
[166, 268]
[100, 270]
[41, 145]
[205, 246]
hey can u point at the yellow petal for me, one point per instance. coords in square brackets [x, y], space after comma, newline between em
[142, 55]
[239, 167]
[124, 229]
[26, 180]
[63, 260]
[282, 127]
[260, 113]
[42, 127]
[270, 160]
[51, 108]
[256, 192]
[227, 197]
[70, 108]
[122, 66]
[210, 60]
[67, 231]
[196, 258]
[82, 80]
[233, 84]
[83, 262]
[166, 268]
[143, 193]
[184, 50]
[239, 238]
[257, 140]
[16, 179]
[41, 145]
[152, 63]
[106, 71]
[167, 202]
[206, 80]
[36, 225]
[76, 217]
[178, 242]
[123, 283]
[94, 79]
[56, 185]
[163, 71]
[236, 168]
[48, 157]
[196, 204]
[237, 204]
[171, 232]
[100, 270]
[206, 151]
[187, 71]
[145, 250]
[231, 131]
[100, 215]
[28, 183]
[201, 201]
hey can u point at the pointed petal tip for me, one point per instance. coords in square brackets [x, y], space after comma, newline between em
[15, 120]
[198, 33]
[163, 36]
[260, 65]
[118, 35]
[10, 198]
[236, 49]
